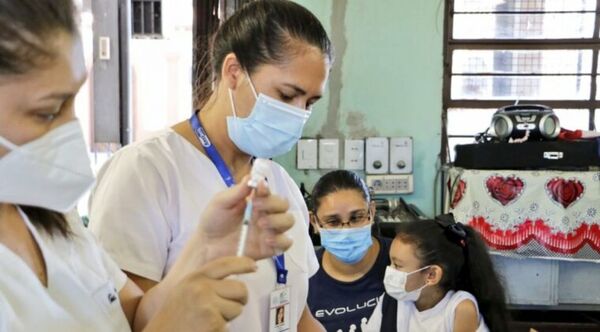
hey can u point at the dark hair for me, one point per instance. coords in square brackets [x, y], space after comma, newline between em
[262, 32]
[465, 261]
[25, 28]
[50, 221]
[336, 181]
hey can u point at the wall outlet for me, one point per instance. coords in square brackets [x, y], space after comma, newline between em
[329, 153]
[354, 154]
[401, 155]
[307, 154]
[391, 184]
[378, 155]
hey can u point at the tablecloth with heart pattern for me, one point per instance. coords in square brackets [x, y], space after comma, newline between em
[549, 214]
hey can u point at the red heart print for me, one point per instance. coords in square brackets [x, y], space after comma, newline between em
[459, 192]
[564, 192]
[504, 189]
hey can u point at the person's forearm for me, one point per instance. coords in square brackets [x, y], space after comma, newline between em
[147, 317]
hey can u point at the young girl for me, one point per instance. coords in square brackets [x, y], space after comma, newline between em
[441, 279]
[344, 292]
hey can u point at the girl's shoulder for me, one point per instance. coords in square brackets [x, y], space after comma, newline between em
[457, 297]
[454, 298]
[462, 307]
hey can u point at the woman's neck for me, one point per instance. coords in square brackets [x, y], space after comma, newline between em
[430, 297]
[15, 235]
[341, 271]
[214, 121]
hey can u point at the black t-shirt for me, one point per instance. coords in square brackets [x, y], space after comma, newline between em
[338, 305]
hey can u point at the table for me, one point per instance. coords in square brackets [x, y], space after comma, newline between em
[539, 214]
[542, 228]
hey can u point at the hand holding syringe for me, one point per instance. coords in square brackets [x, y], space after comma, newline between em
[259, 172]
[219, 228]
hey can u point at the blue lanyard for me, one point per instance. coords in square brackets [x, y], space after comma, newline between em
[211, 151]
[219, 163]
[280, 268]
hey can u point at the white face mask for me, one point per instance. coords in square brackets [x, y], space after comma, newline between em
[395, 284]
[51, 172]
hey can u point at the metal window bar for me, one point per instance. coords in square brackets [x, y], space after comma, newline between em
[147, 17]
[157, 18]
[136, 21]
[520, 12]
[451, 44]
[148, 21]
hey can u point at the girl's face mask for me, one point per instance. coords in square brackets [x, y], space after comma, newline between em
[395, 284]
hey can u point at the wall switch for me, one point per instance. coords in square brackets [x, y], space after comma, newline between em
[354, 154]
[391, 183]
[307, 154]
[104, 48]
[329, 153]
[401, 155]
[377, 155]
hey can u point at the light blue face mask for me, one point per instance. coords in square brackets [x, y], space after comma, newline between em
[349, 245]
[272, 129]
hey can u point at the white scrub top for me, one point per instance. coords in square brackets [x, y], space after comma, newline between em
[82, 292]
[149, 199]
[440, 318]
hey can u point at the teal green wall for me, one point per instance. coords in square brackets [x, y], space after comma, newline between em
[387, 81]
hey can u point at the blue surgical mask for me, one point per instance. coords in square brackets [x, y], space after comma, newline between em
[349, 245]
[272, 129]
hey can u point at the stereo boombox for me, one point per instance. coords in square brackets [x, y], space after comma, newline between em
[535, 122]
[537, 127]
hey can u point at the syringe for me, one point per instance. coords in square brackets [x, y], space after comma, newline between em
[259, 172]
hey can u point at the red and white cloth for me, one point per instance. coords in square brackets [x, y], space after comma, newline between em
[545, 214]
[566, 134]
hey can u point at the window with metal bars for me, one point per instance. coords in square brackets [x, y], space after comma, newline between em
[498, 52]
[147, 18]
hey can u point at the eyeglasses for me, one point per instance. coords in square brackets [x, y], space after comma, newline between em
[356, 219]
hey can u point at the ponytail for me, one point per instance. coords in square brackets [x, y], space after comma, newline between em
[479, 278]
[465, 260]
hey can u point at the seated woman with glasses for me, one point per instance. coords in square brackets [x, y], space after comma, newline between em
[344, 292]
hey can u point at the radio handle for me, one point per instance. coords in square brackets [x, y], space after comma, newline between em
[531, 107]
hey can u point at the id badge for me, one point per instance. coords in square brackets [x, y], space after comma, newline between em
[279, 310]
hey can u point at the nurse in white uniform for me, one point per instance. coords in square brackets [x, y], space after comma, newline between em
[270, 62]
[53, 275]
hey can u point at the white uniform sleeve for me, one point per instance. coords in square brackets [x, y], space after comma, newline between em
[127, 213]
[117, 277]
[312, 262]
